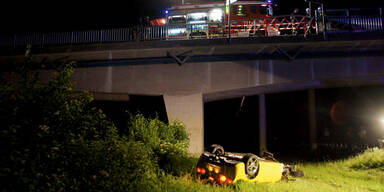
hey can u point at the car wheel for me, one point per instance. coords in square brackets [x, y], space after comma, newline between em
[216, 149]
[251, 165]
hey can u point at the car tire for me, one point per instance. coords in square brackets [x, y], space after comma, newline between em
[216, 149]
[251, 165]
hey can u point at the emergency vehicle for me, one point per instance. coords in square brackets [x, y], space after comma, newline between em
[246, 19]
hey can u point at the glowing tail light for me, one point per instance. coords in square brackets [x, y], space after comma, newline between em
[229, 181]
[198, 170]
[202, 171]
[222, 179]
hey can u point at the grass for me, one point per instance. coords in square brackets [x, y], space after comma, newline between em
[364, 172]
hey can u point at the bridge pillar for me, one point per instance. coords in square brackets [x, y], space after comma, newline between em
[262, 125]
[189, 110]
[312, 119]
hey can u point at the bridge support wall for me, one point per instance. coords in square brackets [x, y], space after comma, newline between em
[189, 110]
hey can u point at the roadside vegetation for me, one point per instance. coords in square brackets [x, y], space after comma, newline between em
[51, 139]
[364, 172]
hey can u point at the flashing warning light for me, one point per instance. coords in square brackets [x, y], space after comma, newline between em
[166, 12]
[202, 171]
[217, 170]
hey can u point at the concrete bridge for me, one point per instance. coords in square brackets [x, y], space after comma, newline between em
[189, 73]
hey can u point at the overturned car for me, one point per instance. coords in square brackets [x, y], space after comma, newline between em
[216, 165]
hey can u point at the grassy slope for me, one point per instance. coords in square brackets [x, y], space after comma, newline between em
[362, 173]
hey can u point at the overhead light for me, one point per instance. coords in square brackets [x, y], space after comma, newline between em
[216, 14]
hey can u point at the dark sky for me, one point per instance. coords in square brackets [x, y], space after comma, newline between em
[20, 16]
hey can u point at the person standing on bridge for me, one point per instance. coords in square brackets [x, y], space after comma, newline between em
[308, 21]
[293, 21]
[308, 12]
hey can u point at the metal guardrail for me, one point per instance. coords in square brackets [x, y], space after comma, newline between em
[334, 24]
[85, 37]
[354, 23]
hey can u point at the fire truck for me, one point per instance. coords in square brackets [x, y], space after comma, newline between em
[237, 18]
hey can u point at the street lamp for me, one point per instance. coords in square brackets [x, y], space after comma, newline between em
[382, 122]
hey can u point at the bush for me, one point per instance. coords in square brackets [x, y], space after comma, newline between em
[52, 140]
[117, 166]
[168, 142]
[370, 159]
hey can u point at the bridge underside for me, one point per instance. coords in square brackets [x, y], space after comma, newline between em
[185, 88]
[187, 76]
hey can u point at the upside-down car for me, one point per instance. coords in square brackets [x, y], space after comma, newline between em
[216, 165]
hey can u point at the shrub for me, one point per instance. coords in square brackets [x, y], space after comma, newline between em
[52, 140]
[370, 159]
[168, 142]
[116, 166]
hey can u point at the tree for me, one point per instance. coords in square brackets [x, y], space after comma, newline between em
[53, 140]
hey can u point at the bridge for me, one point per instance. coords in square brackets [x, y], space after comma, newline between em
[188, 73]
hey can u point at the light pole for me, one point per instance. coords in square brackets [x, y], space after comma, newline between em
[229, 3]
[229, 21]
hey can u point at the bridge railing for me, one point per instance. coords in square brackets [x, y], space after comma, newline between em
[354, 24]
[85, 37]
[267, 27]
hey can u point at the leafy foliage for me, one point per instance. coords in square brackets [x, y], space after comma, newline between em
[168, 142]
[371, 159]
[52, 140]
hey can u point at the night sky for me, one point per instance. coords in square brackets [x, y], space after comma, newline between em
[19, 16]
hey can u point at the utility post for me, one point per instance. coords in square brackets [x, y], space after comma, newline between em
[229, 21]
[324, 24]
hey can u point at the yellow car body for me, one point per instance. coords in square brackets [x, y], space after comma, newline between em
[269, 172]
[215, 168]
